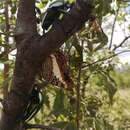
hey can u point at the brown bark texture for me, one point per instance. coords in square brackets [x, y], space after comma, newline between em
[32, 50]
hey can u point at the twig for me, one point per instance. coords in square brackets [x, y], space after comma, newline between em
[78, 98]
[78, 91]
[105, 58]
[126, 38]
[37, 126]
[113, 28]
[85, 82]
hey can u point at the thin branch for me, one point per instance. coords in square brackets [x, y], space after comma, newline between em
[78, 89]
[113, 28]
[105, 58]
[85, 82]
[37, 126]
[126, 38]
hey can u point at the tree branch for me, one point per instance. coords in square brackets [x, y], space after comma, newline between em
[120, 45]
[113, 28]
[61, 31]
[32, 50]
[105, 58]
[26, 19]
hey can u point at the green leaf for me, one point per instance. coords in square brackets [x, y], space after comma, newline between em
[110, 85]
[59, 107]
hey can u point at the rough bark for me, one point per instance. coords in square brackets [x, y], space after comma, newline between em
[32, 50]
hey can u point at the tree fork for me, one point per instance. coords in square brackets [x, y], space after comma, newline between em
[32, 50]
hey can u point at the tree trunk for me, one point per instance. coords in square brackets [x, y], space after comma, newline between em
[32, 50]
